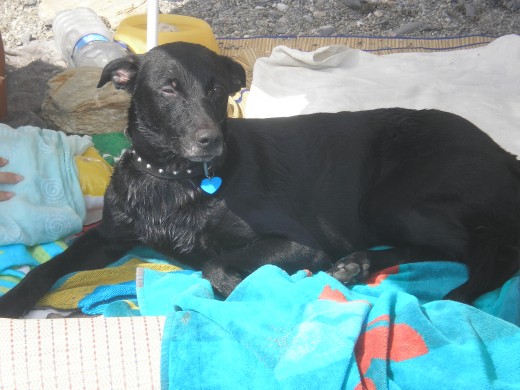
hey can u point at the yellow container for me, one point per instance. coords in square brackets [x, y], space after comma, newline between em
[132, 32]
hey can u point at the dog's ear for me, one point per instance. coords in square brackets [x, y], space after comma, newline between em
[122, 72]
[236, 73]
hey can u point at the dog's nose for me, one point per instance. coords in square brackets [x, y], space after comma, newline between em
[207, 138]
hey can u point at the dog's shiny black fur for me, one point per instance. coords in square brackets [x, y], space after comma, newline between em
[306, 192]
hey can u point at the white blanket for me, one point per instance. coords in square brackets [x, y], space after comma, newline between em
[481, 84]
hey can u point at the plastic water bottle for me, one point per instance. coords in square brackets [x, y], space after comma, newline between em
[83, 39]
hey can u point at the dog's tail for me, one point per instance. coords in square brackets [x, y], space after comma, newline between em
[516, 168]
[493, 248]
[493, 257]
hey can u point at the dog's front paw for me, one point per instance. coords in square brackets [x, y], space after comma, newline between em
[352, 268]
[223, 279]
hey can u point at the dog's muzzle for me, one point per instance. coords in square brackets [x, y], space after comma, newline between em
[207, 144]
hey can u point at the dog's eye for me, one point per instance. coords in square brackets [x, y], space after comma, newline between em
[168, 90]
[171, 89]
[216, 91]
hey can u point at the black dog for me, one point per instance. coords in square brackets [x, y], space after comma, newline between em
[301, 192]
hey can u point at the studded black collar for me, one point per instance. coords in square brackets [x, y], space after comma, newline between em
[193, 170]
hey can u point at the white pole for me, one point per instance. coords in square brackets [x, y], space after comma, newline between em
[152, 23]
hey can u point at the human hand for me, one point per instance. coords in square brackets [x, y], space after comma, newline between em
[8, 178]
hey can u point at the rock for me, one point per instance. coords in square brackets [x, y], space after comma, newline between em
[319, 14]
[27, 85]
[25, 118]
[326, 30]
[25, 37]
[308, 18]
[470, 10]
[409, 27]
[378, 13]
[320, 3]
[281, 29]
[512, 5]
[46, 52]
[75, 105]
[354, 4]
[282, 7]
[26, 81]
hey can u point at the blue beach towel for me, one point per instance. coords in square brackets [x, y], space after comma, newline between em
[277, 331]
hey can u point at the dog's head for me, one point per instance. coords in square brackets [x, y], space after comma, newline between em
[179, 99]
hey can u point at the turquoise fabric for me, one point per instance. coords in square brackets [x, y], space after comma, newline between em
[278, 331]
[49, 203]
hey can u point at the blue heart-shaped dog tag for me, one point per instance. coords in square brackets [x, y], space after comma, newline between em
[210, 185]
